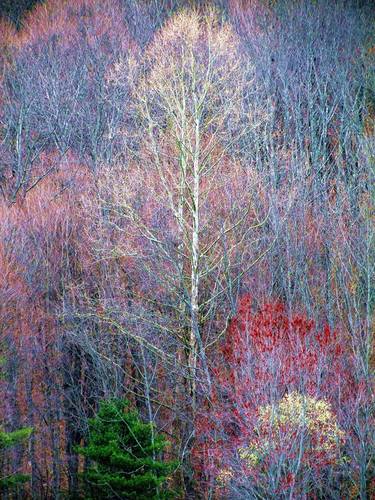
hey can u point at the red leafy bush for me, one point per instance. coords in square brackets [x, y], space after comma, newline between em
[277, 419]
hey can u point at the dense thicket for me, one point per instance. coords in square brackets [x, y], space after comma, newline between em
[161, 162]
[14, 10]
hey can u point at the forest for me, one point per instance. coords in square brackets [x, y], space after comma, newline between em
[187, 249]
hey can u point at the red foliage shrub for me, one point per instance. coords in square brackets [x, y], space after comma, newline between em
[272, 367]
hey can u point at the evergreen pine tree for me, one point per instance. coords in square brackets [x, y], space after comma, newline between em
[124, 451]
[8, 440]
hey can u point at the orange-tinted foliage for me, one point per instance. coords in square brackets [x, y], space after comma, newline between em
[72, 22]
[40, 245]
